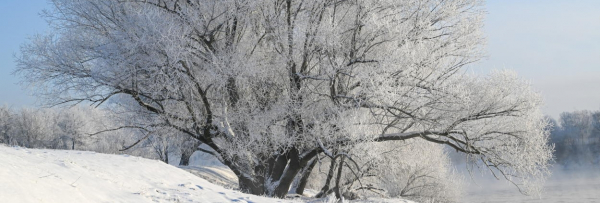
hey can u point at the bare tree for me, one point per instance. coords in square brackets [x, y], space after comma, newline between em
[271, 84]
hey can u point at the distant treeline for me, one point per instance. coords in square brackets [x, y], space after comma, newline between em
[58, 129]
[88, 129]
[576, 137]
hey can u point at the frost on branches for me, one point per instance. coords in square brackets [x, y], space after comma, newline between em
[272, 85]
[413, 169]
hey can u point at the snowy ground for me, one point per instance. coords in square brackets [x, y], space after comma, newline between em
[34, 175]
[39, 175]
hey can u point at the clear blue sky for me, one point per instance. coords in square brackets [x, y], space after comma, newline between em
[19, 19]
[553, 44]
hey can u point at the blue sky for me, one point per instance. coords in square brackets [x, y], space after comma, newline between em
[19, 19]
[553, 44]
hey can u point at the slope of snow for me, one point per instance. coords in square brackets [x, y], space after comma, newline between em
[209, 168]
[36, 175]
[44, 175]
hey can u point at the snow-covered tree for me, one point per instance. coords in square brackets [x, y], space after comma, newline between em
[412, 169]
[6, 116]
[576, 139]
[272, 84]
[73, 128]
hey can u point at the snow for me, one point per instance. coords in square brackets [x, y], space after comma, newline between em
[219, 175]
[38, 175]
[44, 175]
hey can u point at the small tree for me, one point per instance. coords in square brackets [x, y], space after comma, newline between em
[271, 84]
[6, 116]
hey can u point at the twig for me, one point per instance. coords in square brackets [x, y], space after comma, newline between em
[47, 175]
[72, 184]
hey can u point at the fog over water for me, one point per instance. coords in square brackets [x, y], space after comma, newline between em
[581, 185]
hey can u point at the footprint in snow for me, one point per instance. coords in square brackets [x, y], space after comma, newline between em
[241, 199]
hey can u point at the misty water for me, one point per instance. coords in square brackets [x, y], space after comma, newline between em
[562, 186]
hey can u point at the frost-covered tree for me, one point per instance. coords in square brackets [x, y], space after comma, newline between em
[576, 139]
[35, 129]
[6, 116]
[413, 169]
[73, 128]
[272, 84]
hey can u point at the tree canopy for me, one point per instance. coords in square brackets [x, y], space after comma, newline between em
[272, 85]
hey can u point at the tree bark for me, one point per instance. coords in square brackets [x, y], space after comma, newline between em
[278, 168]
[325, 189]
[304, 177]
[166, 155]
[289, 173]
[186, 154]
[338, 193]
[185, 159]
[246, 185]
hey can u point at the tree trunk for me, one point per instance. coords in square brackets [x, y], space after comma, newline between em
[273, 179]
[338, 193]
[325, 189]
[167, 158]
[289, 173]
[284, 169]
[187, 153]
[281, 162]
[246, 185]
[166, 154]
[185, 159]
[304, 177]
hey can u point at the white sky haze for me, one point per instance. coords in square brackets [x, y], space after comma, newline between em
[553, 44]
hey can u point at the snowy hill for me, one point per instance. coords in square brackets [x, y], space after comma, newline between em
[36, 175]
[43, 175]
